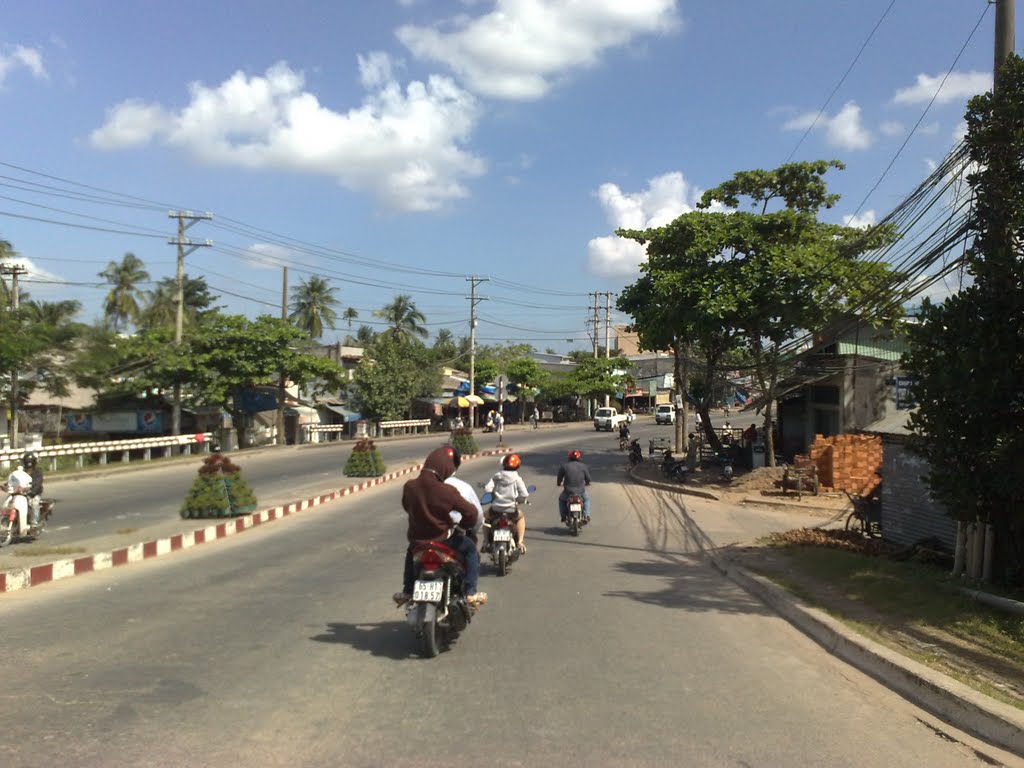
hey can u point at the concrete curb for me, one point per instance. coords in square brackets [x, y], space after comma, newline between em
[997, 723]
[32, 576]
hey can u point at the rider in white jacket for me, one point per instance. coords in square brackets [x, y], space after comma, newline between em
[19, 483]
[509, 492]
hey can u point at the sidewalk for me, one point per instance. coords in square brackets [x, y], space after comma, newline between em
[996, 722]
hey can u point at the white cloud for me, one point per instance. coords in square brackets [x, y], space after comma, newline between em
[843, 130]
[268, 256]
[959, 86]
[518, 50]
[891, 128]
[666, 198]
[862, 220]
[960, 132]
[22, 57]
[404, 146]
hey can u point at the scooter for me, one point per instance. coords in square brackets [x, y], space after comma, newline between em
[673, 468]
[10, 520]
[500, 539]
[574, 514]
[438, 610]
[636, 453]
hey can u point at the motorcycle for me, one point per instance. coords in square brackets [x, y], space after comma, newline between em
[574, 514]
[438, 610]
[623, 442]
[673, 468]
[636, 453]
[500, 541]
[10, 522]
[724, 460]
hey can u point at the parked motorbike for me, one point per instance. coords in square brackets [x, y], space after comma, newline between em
[574, 514]
[724, 460]
[636, 453]
[673, 468]
[10, 523]
[438, 610]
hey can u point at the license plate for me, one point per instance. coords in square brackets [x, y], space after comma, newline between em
[503, 534]
[575, 507]
[427, 591]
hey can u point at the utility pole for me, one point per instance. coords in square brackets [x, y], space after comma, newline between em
[607, 333]
[280, 382]
[595, 322]
[1004, 44]
[13, 270]
[473, 301]
[183, 243]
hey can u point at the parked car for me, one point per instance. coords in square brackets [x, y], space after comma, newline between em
[608, 418]
[665, 414]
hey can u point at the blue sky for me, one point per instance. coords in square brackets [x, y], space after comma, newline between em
[398, 146]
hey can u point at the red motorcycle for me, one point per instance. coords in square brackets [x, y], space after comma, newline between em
[438, 610]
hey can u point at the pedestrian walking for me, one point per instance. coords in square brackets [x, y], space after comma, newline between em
[499, 425]
[535, 417]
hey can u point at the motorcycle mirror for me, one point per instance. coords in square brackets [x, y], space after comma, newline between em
[531, 488]
[487, 498]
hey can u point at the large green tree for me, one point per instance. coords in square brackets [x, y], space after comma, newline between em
[123, 302]
[387, 378]
[314, 306]
[967, 353]
[733, 281]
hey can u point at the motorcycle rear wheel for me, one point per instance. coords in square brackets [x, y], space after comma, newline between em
[429, 640]
[6, 532]
[502, 561]
[575, 525]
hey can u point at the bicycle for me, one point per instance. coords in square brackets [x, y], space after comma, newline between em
[866, 517]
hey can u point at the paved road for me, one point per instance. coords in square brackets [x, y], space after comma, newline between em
[280, 647]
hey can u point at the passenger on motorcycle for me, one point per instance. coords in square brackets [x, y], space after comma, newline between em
[467, 492]
[428, 501]
[624, 430]
[574, 477]
[509, 492]
[19, 485]
[30, 462]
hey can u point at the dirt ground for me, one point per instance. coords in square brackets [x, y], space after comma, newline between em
[971, 663]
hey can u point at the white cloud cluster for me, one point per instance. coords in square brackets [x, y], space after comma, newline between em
[862, 220]
[844, 129]
[404, 146]
[522, 47]
[21, 57]
[665, 198]
[959, 86]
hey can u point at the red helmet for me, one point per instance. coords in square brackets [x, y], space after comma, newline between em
[575, 455]
[511, 462]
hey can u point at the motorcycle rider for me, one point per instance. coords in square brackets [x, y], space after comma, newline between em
[623, 433]
[574, 477]
[19, 484]
[509, 492]
[30, 463]
[428, 501]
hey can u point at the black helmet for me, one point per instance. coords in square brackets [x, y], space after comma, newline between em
[29, 459]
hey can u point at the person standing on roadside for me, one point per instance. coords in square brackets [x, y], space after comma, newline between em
[535, 417]
[499, 425]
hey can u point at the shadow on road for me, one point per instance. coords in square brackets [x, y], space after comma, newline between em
[687, 584]
[390, 639]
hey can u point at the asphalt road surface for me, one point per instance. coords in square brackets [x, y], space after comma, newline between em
[281, 647]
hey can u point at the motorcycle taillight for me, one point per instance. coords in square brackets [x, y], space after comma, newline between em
[429, 560]
[502, 522]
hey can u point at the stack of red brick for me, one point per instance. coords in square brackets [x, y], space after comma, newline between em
[851, 463]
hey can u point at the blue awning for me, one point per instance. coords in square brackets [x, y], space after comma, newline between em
[341, 411]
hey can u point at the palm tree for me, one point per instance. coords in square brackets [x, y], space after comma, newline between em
[405, 320]
[161, 308]
[314, 302]
[122, 302]
[365, 336]
[349, 315]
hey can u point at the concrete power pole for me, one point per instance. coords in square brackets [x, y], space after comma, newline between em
[13, 270]
[280, 382]
[185, 247]
[1004, 44]
[473, 301]
[607, 333]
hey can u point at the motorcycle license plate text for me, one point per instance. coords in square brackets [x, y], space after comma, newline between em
[575, 507]
[503, 534]
[428, 591]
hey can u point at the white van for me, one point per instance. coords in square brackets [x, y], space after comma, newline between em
[665, 414]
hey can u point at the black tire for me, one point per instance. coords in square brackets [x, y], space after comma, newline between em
[502, 561]
[6, 532]
[575, 527]
[429, 640]
[854, 522]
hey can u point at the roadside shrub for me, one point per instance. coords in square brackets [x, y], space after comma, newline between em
[463, 441]
[365, 460]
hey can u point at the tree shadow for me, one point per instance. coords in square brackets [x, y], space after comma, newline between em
[390, 639]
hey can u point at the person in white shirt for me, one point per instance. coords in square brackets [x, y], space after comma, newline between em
[467, 492]
[509, 492]
[19, 484]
